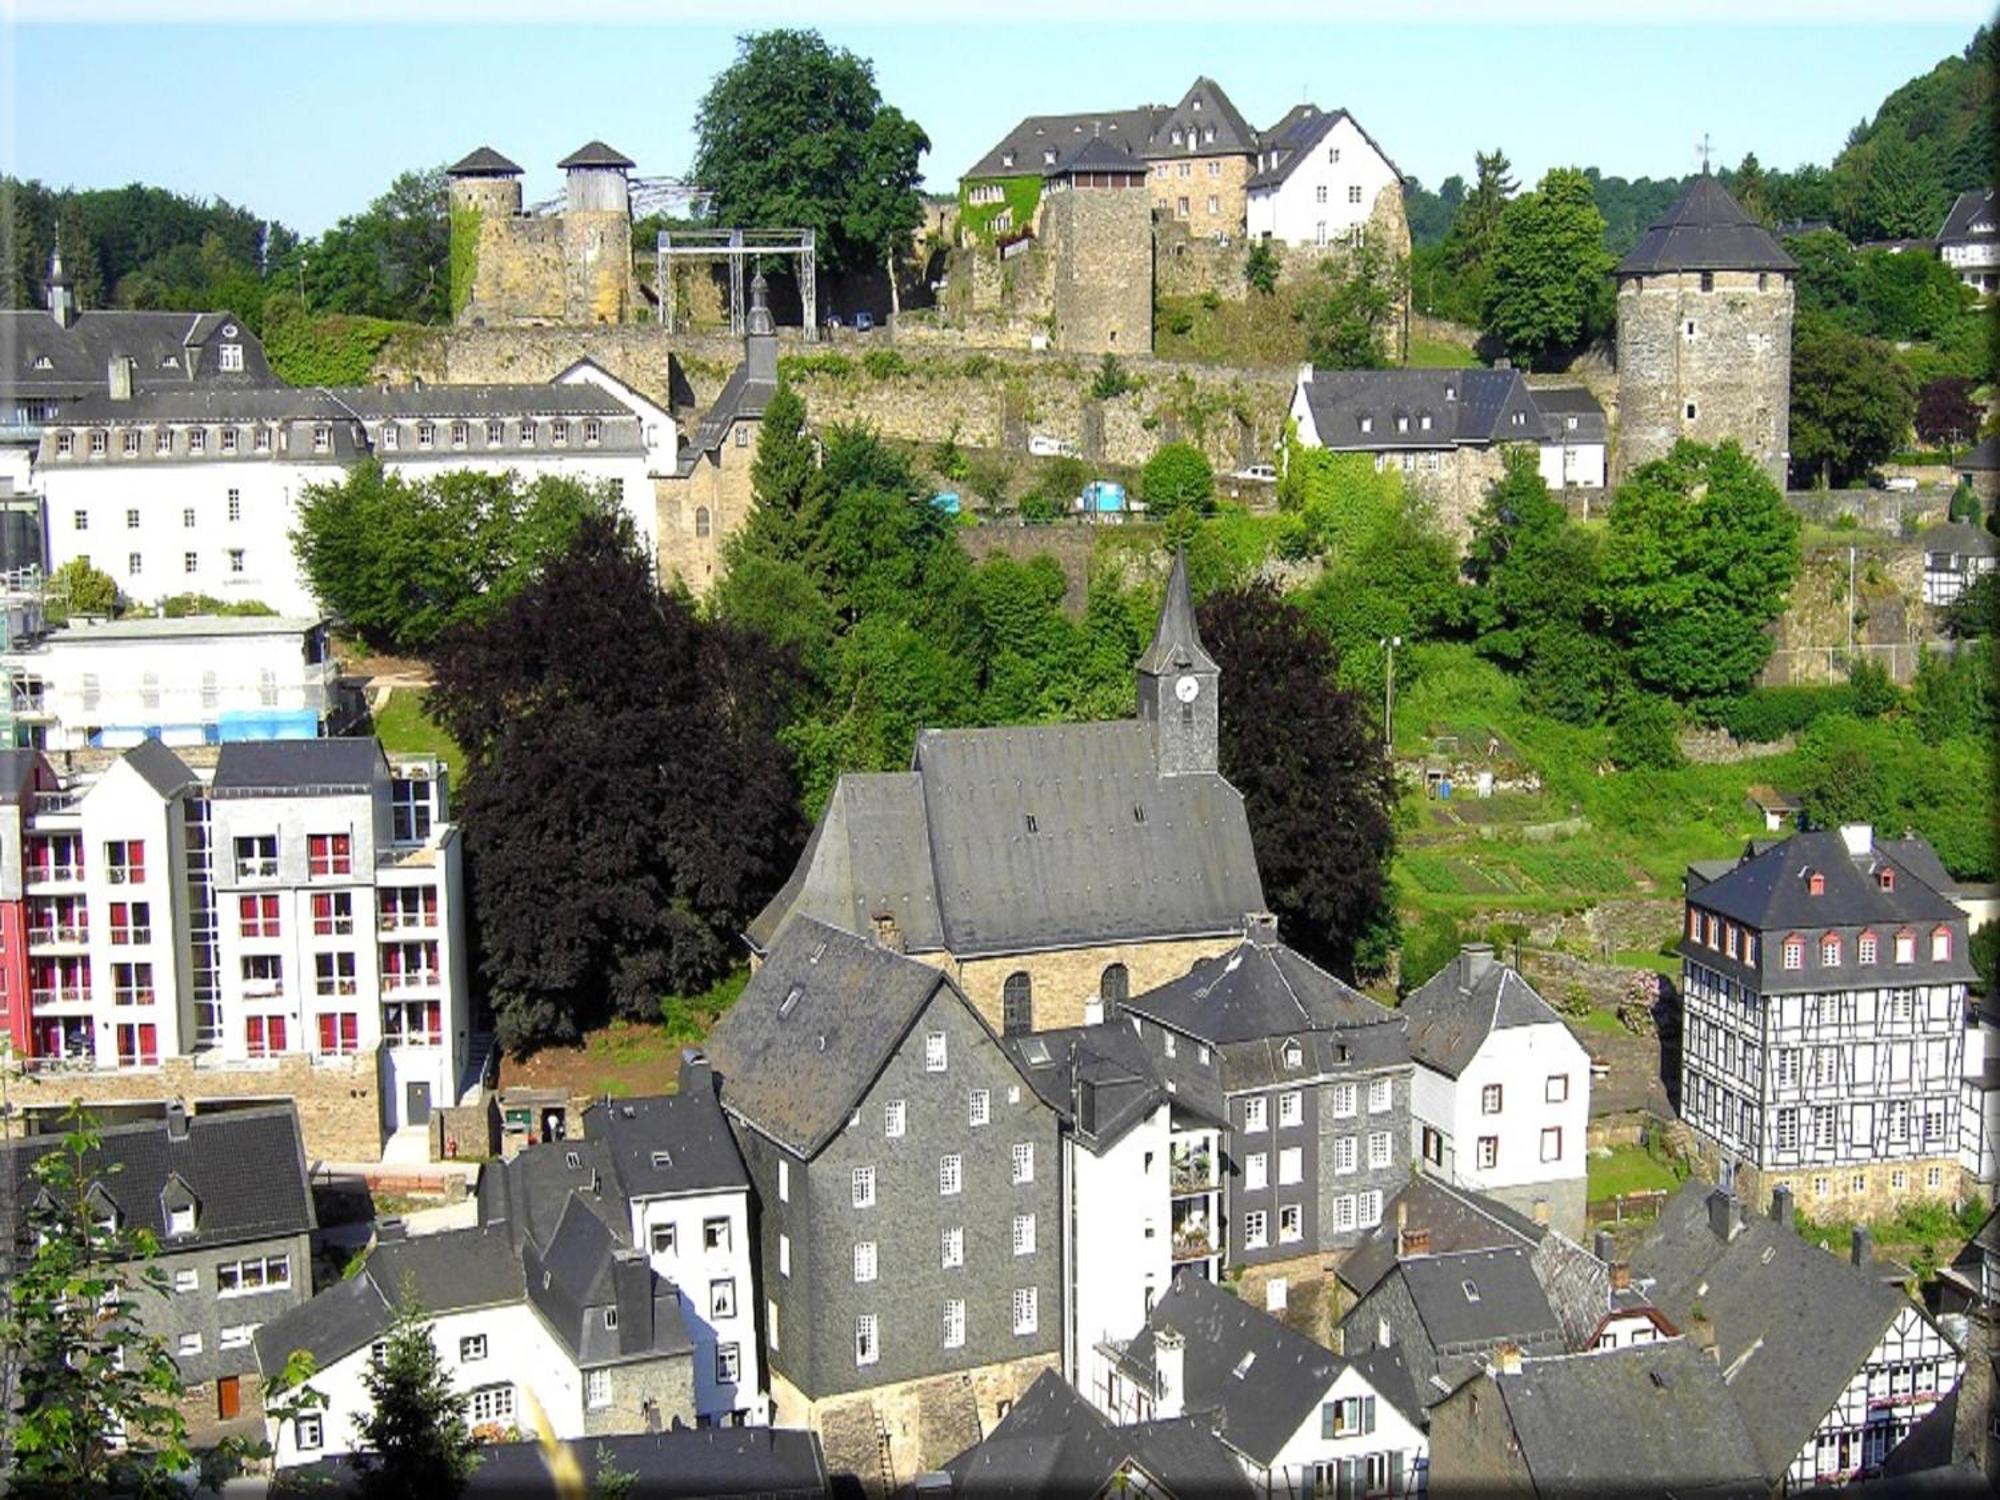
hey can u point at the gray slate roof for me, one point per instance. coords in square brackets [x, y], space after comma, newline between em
[1097, 155]
[683, 1463]
[1293, 138]
[1258, 1410]
[1981, 458]
[1030, 141]
[687, 1126]
[1203, 107]
[483, 162]
[1705, 230]
[1054, 1443]
[1974, 207]
[1792, 1322]
[18, 774]
[164, 771]
[1176, 645]
[1453, 1012]
[1657, 1418]
[363, 403]
[1466, 408]
[1506, 1302]
[80, 355]
[596, 154]
[245, 1168]
[1959, 539]
[1456, 1219]
[1102, 1081]
[298, 767]
[814, 1028]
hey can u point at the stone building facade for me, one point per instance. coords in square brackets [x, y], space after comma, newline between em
[512, 267]
[1705, 303]
[1100, 236]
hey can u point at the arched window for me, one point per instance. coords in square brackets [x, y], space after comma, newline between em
[1940, 945]
[1795, 952]
[701, 520]
[1017, 1004]
[1114, 988]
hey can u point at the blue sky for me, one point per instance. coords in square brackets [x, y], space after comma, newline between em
[306, 122]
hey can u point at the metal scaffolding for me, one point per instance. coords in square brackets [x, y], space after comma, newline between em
[737, 245]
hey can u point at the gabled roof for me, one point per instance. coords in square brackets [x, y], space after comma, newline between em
[1097, 155]
[1792, 1322]
[1706, 230]
[1203, 107]
[596, 154]
[245, 1168]
[814, 1028]
[1293, 138]
[20, 773]
[299, 767]
[1369, 411]
[484, 162]
[1973, 216]
[1259, 991]
[1102, 1081]
[365, 403]
[1656, 1418]
[79, 356]
[1982, 458]
[164, 771]
[1053, 1443]
[1506, 1301]
[678, 1463]
[669, 1144]
[1960, 538]
[1454, 1218]
[1250, 1378]
[868, 856]
[1453, 1012]
[1030, 142]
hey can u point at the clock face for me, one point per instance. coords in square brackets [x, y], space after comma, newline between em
[1187, 689]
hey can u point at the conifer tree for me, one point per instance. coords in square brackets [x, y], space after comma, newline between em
[414, 1440]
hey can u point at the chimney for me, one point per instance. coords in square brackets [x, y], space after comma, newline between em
[1261, 928]
[1306, 373]
[62, 300]
[1725, 1215]
[1416, 1242]
[177, 1121]
[887, 933]
[760, 340]
[118, 378]
[1169, 1374]
[1621, 1276]
[1503, 364]
[1862, 1247]
[1603, 1246]
[1859, 838]
[632, 1284]
[1781, 1204]
[1475, 961]
[1507, 1359]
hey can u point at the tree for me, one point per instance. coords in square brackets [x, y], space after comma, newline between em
[1881, 771]
[1643, 733]
[782, 478]
[1349, 309]
[413, 1439]
[402, 561]
[76, 588]
[1529, 566]
[1976, 611]
[392, 260]
[1946, 413]
[1699, 559]
[1548, 263]
[79, 257]
[790, 133]
[1261, 267]
[627, 806]
[1913, 296]
[1852, 402]
[83, 1366]
[1953, 695]
[1433, 943]
[1177, 477]
[1469, 243]
[1307, 756]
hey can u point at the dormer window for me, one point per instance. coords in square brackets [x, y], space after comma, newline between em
[1906, 947]
[1006, 158]
[1815, 883]
[1795, 952]
[1424, 422]
[1520, 419]
[1176, 137]
[1886, 878]
[663, 1159]
[180, 1220]
[1367, 424]
[426, 434]
[1865, 948]
[1295, 1055]
[1941, 945]
[1451, 393]
[1049, 157]
[1208, 132]
[1471, 1291]
[43, 362]
[1402, 424]
[1829, 951]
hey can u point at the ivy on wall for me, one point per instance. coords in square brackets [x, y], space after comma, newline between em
[1021, 194]
[465, 222]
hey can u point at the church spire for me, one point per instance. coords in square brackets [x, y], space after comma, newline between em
[1176, 641]
[1178, 683]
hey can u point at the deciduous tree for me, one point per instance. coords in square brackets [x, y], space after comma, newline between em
[1852, 402]
[1349, 309]
[1178, 477]
[1946, 412]
[1548, 263]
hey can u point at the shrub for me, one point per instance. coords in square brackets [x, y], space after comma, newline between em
[1065, 477]
[1111, 381]
[884, 364]
[1260, 269]
[1872, 693]
[1039, 509]
[1211, 300]
[976, 365]
[1643, 734]
[1178, 478]
[1766, 714]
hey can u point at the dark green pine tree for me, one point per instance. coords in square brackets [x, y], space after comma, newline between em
[414, 1440]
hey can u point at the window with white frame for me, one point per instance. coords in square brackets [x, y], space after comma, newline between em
[187, 1279]
[1370, 1208]
[1489, 1152]
[715, 1234]
[952, 1246]
[1291, 1166]
[1864, 948]
[1785, 1129]
[1027, 1309]
[951, 1173]
[1024, 1161]
[979, 1107]
[255, 1273]
[1291, 1224]
[1346, 1154]
[1291, 1108]
[1941, 945]
[1254, 1114]
[864, 1187]
[1256, 1171]
[784, 1255]
[1346, 1213]
[471, 1348]
[893, 1118]
[1490, 1099]
[784, 1181]
[1380, 1095]
[237, 1335]
[491, 1404]
[1024, 1234]
[1345, 1101]
[1381, 1146]
[308, 1432]
[864, 1262]
[954, 1323]
[1256, 1229]
[866, 1347]
[934, 1052]
[1794, 953]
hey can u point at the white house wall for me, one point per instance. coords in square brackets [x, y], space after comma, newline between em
[1118, 1221]
[1292, 211]
[1520, 1059]
[1292, 1472]
[1907, 1374]
[693, 1268]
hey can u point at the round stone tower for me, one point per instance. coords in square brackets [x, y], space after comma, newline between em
[597, 235]
[485, 196]
[1705, 334]
[485, 181]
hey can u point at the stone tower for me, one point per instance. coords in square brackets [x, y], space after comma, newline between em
[1097, 225]
[597, 236]
[1705, 334]
[1178, 683]
[486, 223]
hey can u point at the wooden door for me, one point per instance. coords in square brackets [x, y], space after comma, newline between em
[228, 1397]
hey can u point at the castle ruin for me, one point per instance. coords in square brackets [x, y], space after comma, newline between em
[512, 268]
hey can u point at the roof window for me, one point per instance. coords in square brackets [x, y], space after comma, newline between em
[1886, 878]
[573, 1161]
[663, 1159]
[1243, 1365]
[1471, 1291]
[791, 999]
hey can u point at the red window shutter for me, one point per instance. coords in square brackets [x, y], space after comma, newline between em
[135, 856]
[149, 1044]
[350, 1032]
[253, 1035]
[276, 1032]
[329, 1033]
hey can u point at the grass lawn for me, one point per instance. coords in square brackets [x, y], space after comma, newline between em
[1434, 354]
[404, 727]
[1599, 1019]
[1658, 962]
[628, 1057]
[1628, 1169]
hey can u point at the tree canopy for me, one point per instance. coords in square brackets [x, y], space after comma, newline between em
[1349, 310]
[1548, 266]
[1177, 477]
[413, 1438]
[1853, 402]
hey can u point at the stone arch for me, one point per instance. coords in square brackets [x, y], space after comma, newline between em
[1114, 988]
[1017, 1004]
[701, 521]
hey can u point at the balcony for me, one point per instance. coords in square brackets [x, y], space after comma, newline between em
[1193, 1243]
[74, 995]
[76, 1063]
[44, 934]
[56, 874]
[257, 869]
[47, 803]
[420, 979]
[1193, 1172]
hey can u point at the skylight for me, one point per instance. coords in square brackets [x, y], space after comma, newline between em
[1243, 1365]
[1471, 1291]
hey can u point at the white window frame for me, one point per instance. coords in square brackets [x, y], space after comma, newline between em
[979, 1108]
[895, 1119]
[1027, 1310]
[867, 1341]
[1023, 1162]
[951, 1175]
[1024, 1234]
[1256, 1171]
[864, 1187]
[1291, 1165]
[951, 1247]
[867, 1263]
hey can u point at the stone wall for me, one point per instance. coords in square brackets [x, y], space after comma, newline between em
[641, 355]
[1102, 243]
[1733, 369]
[1194, 181]
[1065, 979]
[339, 1099]
[702, 509]
[1070, 545]
[1890, 621]
[1851, 1192]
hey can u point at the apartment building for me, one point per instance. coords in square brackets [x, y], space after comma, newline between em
[1824, 1022]
[288, 925]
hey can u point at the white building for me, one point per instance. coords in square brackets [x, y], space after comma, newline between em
[1301, 1420]
[1501, 1100]
[197, 491]
[1969, 241]
[197, 680]
[1316, 180]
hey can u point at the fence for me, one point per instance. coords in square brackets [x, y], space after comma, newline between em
[1790, 664]
[1618, 1210]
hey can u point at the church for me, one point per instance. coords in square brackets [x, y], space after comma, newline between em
[1051, 870]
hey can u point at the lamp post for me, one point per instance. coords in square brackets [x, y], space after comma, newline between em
[1389, 643]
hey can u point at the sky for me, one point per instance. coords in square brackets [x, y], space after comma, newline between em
[270, 105]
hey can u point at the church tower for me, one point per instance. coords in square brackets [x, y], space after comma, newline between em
[1178, 683]
[1705, 334]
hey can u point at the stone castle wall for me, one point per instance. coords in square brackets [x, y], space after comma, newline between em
[1195, 181]
[1706, 365]
[704, 509]
[1102, 243]
[522, 269]
[1064, 980]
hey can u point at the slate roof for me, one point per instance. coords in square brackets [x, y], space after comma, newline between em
[1054, 1443]
[1097, 155]
[360, 403]
[814, 1028]
[596, 154]
[163, 771]
[1959, 539]
[1456, 1219]
[1559, 402]
[1453, 1012]
[1259, 991]
[687, 1126]
[1258, 1406]
[583, 1269]
[1176, 645]
[529, 1193]
[484, 162]
[1293, 138]
[1974, 206]
[1510, 1302]
[80, 355]
[298, 767]
[741, 398]
[17, 773]
[1466, 408]
[682, 1463]
[1102, 1081]
[455, 1271]
[1204, 106]
[1792, 1322]
[245, 1167]
[1705, 230]
[1038, 134]
[1656, 1418]
[1981, 458]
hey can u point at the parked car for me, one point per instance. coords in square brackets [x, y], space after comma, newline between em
[863, 321]
[1041, 445]
[1902, 484]
[1262, 473]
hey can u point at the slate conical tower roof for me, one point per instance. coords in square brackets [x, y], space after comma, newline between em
[1176, 643]
[1706, 230]
[485, 162]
